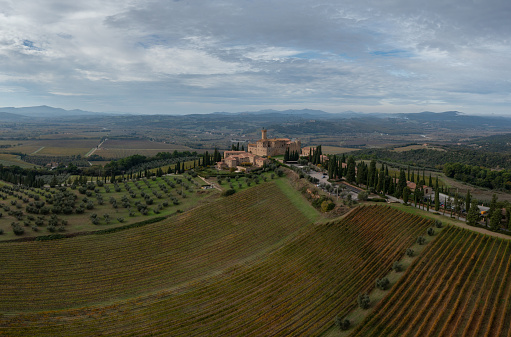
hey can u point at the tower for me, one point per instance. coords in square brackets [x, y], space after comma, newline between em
[263, 131]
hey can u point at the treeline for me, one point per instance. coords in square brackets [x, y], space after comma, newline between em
[139, 162]
[377, 180]
[17, 175]
[65, 160]
[479, 176]
[435, 159]
[291, 155]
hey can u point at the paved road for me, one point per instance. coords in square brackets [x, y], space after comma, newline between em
[323, 179]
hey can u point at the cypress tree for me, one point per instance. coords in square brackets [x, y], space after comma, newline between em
[371, 173]
[350, 170]
[437, 196]
[473, 213]
[493, 205]
[467, 201]
[400, 184]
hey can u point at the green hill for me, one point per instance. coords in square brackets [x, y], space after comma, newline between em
[250, 264]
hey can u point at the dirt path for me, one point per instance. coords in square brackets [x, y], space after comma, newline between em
[91, 152]
[39, 149]
[210, 183]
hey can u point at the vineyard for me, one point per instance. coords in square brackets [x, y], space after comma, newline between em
[97, 268]
[460, 286]
[296, 289]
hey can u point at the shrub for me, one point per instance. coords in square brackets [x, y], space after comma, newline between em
[363, 195]
[363, 301]
[397, 266]
[438, 224]
[410, 252]
[431, 231]
[17, 229]
[228, 192]
[421, 240]
[327, 206]
[382, 283]
[342, 323]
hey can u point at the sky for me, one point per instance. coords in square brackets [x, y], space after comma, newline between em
[201, 56]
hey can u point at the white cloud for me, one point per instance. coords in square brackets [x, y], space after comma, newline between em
[284, 53]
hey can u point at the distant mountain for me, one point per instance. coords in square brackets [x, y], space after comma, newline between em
[308, 113]
[7, 116]
[45, 111]
[456, 119]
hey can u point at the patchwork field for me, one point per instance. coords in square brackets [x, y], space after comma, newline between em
[11, 159]
[417, 147]
[120, 148]
[250, 264]
[53, 147]
[460, 286]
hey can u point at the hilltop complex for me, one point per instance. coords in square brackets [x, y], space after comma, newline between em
[273, 147]
[257, 152]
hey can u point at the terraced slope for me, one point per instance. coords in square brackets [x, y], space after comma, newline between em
[460, 286]
[295, 290]
[81, 271]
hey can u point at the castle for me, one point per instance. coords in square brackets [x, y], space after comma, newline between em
[273, 147]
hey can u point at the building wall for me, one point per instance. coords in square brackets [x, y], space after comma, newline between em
[273, 147]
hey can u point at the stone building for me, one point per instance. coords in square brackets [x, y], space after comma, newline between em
[241, 160]
[273, 147]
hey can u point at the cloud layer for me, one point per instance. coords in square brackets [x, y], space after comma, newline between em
[202, 56]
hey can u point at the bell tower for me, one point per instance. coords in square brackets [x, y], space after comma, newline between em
[263, 133]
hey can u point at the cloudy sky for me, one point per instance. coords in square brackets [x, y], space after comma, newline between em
[201, 56]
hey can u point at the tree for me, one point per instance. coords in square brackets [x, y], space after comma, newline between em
[473, 214]
[350, 174]
[468, 198]
[363, 195]
[371, 174]
[406, 194]
[286, 155]
[495, 219]
[342, 323]
[383, 283]
[455, 204]
[493, 206]
[363, 301]
[437, 196]
[401, 184]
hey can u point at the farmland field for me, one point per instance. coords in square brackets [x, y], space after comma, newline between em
[121, 203]
[417, 147]
[252, 265]
[120, 148]
[336, 149]
[53, 147]
[10, 159]
[459, 286]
